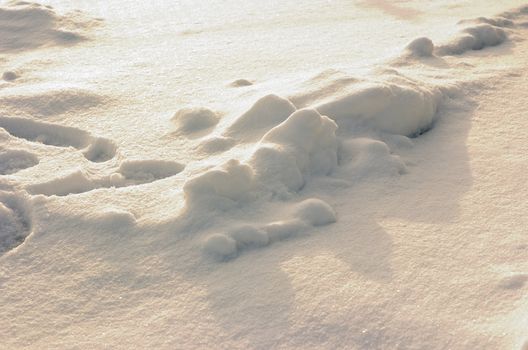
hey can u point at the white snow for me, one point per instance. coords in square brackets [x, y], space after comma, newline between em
[266, 113]
[398, 109]
[316, 212]
[474, 38]
[190, 120]
[263, 175]
[30, 25]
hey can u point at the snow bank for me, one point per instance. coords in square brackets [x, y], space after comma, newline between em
[190, 120]
[473, 38]
[25, 25]
[13, 160]
[266, 113]
[393, 108]
[15, 221]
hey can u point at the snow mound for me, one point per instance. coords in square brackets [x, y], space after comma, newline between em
[495, 21]
[149, 170]
[51, 103]
[282, 230]
[222, 187]
[474, 38]
[248, 236]
[421, 47]
[241, 83]
[393, 108]
[15, 222]
[220, 246]
[229, 245]
[316, 212]
[111, 219]
[362, 157]
[9, 76]
[191, 120]
[13, 160]
[94, 148]
[25, 26]
[266, 113]
[303, 144]
[217, 144]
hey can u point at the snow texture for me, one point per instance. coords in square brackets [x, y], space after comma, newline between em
[15, 222]
[473, 38]
[13, 160]
[191, 120]
[266, 113]
[96, 149]
[316, 212]
[402, 109]
[421, 47]
[289, 225]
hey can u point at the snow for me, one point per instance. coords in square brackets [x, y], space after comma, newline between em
[221, 187]
[9, 76]
[31, 25]
[15, 224]
[266, 113]
[220, 245]
[316, 212]
[474, 38]
[14, 160]
[256, 175]
[393, 108]
[190, 120]
[421, 47]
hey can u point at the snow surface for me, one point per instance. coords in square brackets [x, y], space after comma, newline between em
[255, 175]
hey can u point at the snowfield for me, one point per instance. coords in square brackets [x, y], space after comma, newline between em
[239, 175]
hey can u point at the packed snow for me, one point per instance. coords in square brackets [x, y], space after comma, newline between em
[245, 175]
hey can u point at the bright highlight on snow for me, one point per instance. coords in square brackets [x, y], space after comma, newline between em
[243, 175]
